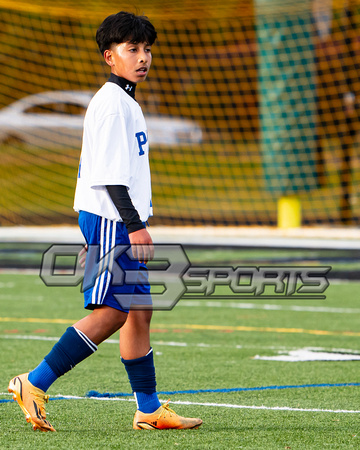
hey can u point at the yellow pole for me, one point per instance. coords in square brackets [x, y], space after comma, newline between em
[289, 212]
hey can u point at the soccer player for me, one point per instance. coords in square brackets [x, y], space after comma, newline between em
[113, 198]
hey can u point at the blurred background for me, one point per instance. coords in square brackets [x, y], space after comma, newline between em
[249, 104]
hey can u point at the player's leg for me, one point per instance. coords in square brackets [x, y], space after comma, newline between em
[135, 334]
[81, 340]
[76, 344]
[137, 356]
[101, 323]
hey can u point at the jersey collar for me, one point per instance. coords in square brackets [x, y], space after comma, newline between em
[126, 85]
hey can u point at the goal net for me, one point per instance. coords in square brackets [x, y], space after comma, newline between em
[247, 102]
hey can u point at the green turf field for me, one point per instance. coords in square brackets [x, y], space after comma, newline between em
[198, 346]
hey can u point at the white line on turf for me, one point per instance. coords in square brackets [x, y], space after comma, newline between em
[28, 338]
[267, 307]
[272, 408]
[186, 344]
[225, 304]
[108, 341]
[218, 405]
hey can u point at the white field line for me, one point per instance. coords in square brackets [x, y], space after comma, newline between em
[267, 307]
[109, 341]
[31, 337]
[218, 405]
[217, 304]
[7, 271]
[282, 348]
[211, 304]
[271, 408]
[224, 304]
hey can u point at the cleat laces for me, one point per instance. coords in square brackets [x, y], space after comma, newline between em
[165, 410]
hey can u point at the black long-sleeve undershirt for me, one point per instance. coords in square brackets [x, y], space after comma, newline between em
[122, 201]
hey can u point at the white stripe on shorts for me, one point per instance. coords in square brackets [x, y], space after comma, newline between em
[107, 242]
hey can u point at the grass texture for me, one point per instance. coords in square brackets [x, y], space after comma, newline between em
[191, 354]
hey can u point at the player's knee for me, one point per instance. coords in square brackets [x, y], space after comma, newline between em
[118, 321]
[140, 318]
[112, 319]
[147, 316]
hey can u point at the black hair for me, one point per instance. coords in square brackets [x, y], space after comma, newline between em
[124, 27]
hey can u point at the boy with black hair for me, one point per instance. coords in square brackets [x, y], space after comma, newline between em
[113, 198]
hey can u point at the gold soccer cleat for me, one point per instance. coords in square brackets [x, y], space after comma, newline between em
[31, 400]
[164, 418]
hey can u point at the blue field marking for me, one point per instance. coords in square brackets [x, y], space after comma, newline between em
[224, 391]
[110, 394]
[4, 400]
[95, 394]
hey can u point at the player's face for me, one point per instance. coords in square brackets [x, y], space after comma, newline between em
[130, 61]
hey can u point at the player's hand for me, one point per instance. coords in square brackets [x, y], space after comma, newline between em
[142, 245]
[82, 255]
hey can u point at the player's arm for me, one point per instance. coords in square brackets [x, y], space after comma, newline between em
[140, 239]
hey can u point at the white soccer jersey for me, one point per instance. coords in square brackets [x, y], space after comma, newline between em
[115, 151]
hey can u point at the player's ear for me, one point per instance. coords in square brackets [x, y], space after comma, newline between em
[108, 57]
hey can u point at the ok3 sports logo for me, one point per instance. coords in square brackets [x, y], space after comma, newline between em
[172, 277]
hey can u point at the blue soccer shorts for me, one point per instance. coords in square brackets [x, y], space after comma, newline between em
[112, 277]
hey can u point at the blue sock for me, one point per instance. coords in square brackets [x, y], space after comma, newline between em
[42, 376]
[73, 347]
[147, 403]
[141, 373]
